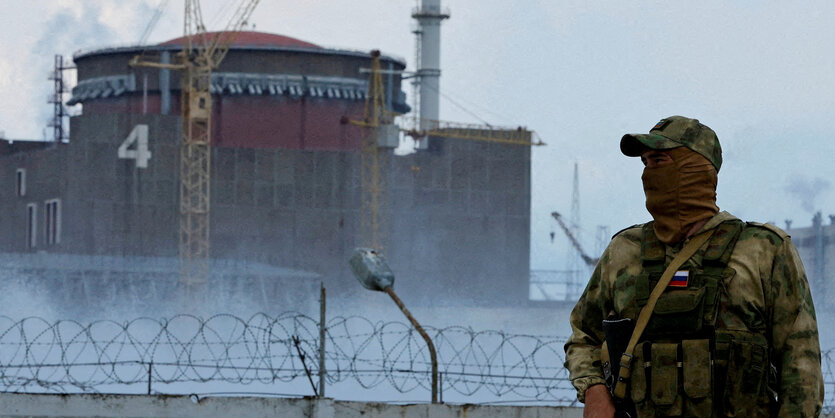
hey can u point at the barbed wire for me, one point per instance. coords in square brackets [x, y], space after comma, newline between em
[69, 356]
[65, 356]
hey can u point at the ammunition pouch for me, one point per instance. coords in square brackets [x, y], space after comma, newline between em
[673, 378]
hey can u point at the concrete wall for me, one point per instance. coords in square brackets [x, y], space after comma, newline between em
[16, 405]
[46, 178]
[111, 206]
[461, 222]
[458, 217]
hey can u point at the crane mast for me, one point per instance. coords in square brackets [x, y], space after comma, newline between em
[377, 121]
[195, 157]
[202, 53]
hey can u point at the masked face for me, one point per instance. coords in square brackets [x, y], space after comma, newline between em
[680, 190]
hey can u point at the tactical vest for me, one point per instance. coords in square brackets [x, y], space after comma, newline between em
[684, 364]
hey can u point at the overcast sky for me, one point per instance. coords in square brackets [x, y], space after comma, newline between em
[579, 73]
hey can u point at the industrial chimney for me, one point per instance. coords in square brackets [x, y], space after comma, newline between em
[429, 17]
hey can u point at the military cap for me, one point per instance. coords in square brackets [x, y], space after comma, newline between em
[674, 132]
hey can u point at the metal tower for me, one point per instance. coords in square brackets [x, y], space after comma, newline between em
[59, 134]
[573, 254]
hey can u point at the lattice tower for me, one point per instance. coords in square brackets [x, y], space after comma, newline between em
[574, 261]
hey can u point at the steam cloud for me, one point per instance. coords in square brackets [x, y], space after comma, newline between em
[82, 25]
[806, 190]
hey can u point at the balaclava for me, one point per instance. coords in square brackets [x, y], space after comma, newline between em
[680, 194]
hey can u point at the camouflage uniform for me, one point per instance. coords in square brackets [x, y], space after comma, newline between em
[764, 321]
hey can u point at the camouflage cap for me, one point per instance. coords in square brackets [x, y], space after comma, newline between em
[674, 132]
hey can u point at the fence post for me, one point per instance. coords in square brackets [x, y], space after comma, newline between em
[150, 370]
[322, 340]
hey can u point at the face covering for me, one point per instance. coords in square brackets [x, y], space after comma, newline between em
[680, 194]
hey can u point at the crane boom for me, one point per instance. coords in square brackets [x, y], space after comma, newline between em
[586, 258]
[223, 40]
[420, 128]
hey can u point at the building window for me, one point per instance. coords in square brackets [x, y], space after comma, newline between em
[53, 221]
[20, 186]
[31, 225]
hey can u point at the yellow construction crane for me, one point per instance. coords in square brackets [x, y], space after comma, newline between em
[202, 53]
[382, 132]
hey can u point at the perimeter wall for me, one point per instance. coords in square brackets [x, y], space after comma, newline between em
[15, 405]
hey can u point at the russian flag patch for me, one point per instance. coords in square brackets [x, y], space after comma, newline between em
[680, 279]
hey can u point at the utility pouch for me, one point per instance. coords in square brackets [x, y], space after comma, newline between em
[696, 365]
[677, 311]
[641, 369]
[698, 376]
[664, 383]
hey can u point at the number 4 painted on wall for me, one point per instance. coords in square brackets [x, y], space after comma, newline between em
[139, 134]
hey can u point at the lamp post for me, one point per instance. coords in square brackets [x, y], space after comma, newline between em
[373, 273]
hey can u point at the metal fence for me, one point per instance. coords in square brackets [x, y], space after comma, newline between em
[556, 285]
[280, 355]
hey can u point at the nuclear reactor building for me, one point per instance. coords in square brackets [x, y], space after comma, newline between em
[100, 211]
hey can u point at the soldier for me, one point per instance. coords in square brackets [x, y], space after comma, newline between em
[734, 332]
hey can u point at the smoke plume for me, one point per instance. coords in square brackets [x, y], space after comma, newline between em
[806, 190]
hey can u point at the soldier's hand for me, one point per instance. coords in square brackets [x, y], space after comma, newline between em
[598, 403]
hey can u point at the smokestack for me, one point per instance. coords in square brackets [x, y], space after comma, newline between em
[819, 268]
[429, 17]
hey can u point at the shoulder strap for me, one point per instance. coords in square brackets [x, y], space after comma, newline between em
[771, 227]
[643, 318]
[721, 245]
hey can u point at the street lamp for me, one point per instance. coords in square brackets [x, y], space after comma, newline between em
[373, 273]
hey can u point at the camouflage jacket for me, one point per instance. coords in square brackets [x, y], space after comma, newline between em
[768, 294]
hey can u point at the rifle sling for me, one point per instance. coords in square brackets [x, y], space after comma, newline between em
[643, 318]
